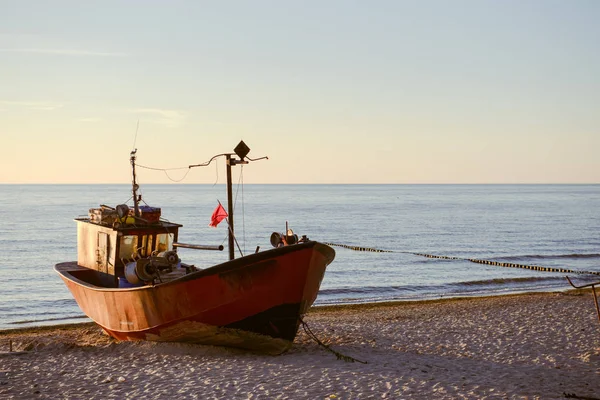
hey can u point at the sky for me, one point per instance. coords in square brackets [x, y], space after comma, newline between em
[332, 91]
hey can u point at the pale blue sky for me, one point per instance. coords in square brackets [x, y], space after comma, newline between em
[332, 91]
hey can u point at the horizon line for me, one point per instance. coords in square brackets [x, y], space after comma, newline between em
[315, 183]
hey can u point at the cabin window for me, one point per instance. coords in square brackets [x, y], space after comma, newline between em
[133, 247]
[146, 247]
[164, 242]
[128, 249]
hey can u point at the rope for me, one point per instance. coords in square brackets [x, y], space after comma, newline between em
[160, 169]
[338, 355]
[574, 396]
[166, 173]
[473, 260]
[241, 184]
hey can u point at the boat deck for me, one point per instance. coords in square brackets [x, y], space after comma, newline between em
[69, 266]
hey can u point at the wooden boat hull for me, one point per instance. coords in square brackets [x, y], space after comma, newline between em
[253, 302]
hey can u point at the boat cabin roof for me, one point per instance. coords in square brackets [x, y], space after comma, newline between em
[132, 229]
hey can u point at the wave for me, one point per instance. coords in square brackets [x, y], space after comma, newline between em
[31, 321]
[509, 281]
[363, 290]
[492, 287]
[517, 283]
[498, 291]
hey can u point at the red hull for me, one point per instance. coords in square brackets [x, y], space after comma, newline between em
[237, 303]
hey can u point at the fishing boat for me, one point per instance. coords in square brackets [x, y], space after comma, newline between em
[129, 279]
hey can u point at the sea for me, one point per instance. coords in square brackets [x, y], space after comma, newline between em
[554, 226]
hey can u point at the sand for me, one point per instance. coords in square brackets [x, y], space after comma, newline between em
[536, 346]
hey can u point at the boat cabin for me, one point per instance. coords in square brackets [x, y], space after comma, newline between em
[109, 245]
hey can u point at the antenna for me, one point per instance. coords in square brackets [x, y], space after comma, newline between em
[134, 185]
[135, 137]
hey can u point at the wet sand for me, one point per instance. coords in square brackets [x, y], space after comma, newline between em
[534, 346]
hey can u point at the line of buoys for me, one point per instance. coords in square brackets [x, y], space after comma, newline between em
[473, 260]
[433, 256]
[356, 248]
[531, 267]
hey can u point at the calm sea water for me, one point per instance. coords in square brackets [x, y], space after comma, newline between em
[548, 225]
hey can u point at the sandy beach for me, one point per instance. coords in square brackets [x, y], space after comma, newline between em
[533, 346]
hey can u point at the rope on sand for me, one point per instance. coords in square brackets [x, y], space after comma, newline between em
[339, 355]
[473, 260]
[574, 396]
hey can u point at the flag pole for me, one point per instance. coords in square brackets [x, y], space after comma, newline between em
[234, 238]
[230, 233]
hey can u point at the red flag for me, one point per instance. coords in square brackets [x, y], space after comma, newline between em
[217, 216]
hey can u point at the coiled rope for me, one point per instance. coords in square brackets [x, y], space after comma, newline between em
[473, 260]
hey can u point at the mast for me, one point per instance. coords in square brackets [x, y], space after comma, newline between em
[134, 185]
[229, 162]
[241, 150]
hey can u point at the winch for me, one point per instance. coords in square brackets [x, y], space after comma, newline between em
[147, 269]
[289, 238]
